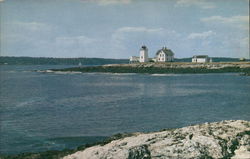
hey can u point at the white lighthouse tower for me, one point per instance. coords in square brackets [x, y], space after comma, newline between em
[143, 54]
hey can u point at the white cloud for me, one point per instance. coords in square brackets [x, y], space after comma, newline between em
[31, 26]
[233, 19]
[245, 41]
[140, 29]
[1, 0]
[155, 38]
[204, 4]
[236, 21]
[78, 40]
[25, 32]
[76, 46]
[123, 32]
[203, 35]
[108, 2]
[235, 46]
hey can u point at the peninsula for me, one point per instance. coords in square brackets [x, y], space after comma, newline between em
[165, 68]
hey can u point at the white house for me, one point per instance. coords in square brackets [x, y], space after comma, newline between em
[133, 59]
[164, 55]
[200, 58]
[143, 54]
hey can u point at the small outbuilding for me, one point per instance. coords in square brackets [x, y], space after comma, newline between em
[200, 58]
[134, 59]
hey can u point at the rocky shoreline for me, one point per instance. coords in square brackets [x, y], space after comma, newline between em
[164, 68]
[226, 139]
[212, 65]
[218, 140]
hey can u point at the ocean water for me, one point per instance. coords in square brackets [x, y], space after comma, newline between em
[49, 111]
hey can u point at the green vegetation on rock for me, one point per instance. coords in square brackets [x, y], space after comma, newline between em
[153, 70]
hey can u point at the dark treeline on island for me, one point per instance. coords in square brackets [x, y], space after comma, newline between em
[58, 61]
[84, 61]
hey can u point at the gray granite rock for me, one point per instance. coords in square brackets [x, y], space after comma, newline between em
[226, 139]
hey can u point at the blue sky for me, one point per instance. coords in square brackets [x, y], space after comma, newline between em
[118, 28]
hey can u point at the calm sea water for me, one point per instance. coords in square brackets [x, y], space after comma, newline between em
[45, 111]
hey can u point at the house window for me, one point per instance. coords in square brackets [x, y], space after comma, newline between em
[141, 57]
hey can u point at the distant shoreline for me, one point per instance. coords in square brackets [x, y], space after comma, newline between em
[165, 68]
[7, 60]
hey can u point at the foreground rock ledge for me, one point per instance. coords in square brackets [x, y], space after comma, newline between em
[226, 139]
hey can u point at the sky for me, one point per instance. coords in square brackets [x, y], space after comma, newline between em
[118, 28]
